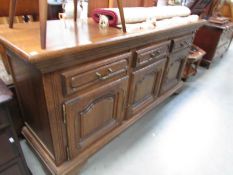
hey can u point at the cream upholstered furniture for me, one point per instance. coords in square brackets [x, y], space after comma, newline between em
[141, 14]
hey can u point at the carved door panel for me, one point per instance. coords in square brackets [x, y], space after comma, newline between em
[174, 69]
[94, 114]
[145, 86]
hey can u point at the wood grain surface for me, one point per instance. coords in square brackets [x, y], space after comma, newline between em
[24, 39]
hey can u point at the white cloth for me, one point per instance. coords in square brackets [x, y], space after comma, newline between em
[163, 24]
[140, 14]
[176, 21]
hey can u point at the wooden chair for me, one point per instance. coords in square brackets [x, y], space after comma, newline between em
[43, 7]
[193, 61]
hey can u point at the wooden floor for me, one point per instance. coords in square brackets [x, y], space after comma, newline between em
[189, 134]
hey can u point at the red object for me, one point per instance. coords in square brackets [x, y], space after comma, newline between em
[112, 16]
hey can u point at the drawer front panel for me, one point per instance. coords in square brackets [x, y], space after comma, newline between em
[8, 149]
[92, 115]
[94, 74]
[182, 42]
[152, 53]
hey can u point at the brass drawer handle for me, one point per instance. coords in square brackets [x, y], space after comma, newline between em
[98, 75]
[181, 45]
[185, 43]
[155, 54]
[101, 77]
[110, 70]
[188, 43]
[112, 73]
[106, 77]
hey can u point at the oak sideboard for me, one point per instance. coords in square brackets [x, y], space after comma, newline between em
[89, 84]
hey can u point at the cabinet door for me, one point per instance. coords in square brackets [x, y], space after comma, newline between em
[174, 70]
[94, 114]
[145, 85]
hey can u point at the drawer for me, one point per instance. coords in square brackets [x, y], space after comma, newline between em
[182, 42]
[95, 74]
[8, 149]
[152, 53]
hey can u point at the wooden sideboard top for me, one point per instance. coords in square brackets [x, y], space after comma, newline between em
[65, 38]
[61, 37]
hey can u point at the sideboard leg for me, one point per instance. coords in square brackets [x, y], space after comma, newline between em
[177, 92]
[76, 170]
